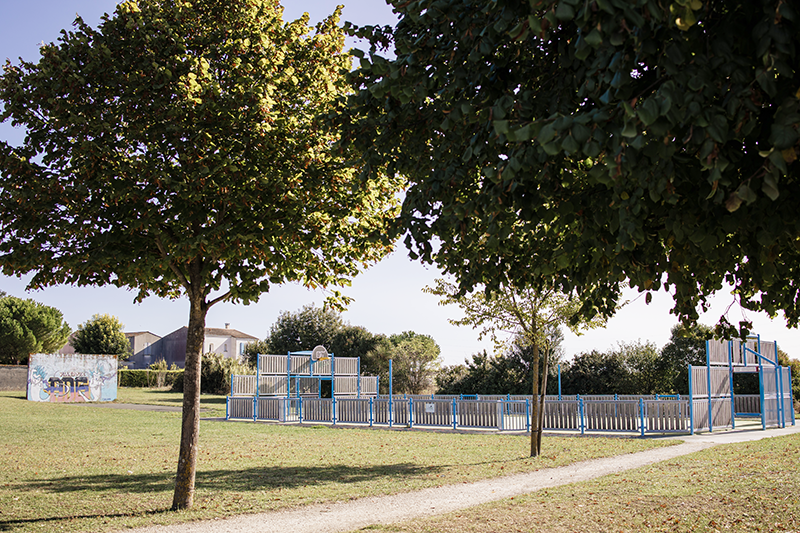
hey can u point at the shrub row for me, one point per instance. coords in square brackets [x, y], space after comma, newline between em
[215, 375]
[148, 378]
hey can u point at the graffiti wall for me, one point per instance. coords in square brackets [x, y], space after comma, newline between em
[72, 378]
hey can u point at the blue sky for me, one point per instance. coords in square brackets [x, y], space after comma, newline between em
[388, 297]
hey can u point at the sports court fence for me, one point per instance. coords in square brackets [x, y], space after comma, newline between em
[615, 414]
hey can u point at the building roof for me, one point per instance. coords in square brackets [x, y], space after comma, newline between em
[137, 333]
[229, 332]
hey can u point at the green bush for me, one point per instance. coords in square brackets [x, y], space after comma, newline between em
[215, 374]
[148, 378]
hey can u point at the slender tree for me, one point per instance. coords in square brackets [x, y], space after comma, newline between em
[527, 314]
[177, 150]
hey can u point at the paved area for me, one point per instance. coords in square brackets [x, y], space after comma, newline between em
[347, 516]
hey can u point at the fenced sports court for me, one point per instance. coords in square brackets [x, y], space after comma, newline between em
[288, 389]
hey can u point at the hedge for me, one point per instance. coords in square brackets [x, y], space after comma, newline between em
[148, 378]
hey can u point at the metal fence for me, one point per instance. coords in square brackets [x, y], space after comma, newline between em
[600, 414]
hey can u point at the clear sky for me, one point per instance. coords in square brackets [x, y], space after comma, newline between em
[388, 297]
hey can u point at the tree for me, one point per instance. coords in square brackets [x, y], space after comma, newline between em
[178, 150]
[686, 346]
[28, 327]
[530, 314]
[509, 372]
[589, 144]
[103, 334]
[415, 361]
[593, 372]
[312, 326]
[303, 329]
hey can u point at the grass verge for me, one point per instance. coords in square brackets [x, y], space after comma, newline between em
[71, 467]
[750, 486]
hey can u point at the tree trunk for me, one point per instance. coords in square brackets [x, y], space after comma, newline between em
[536, 427]
[543, 395]
[190, 425]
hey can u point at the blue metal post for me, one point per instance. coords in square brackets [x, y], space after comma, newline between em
[691, 403]
[455, 413]
[333, 410]
[708, 381]
[779, 376]
[410, 412]
[580, 411]
[641, 413]
[255, 408]
[300, 408]
[730, 379]
[371, 415]
[528, 415]
[228, 408]
[761, 393]
[559, 382]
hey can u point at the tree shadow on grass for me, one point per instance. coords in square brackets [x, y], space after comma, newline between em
[217, 481]
[264, 478]
[10, 525]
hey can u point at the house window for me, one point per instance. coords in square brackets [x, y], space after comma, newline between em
[211, 347]
[225, 347]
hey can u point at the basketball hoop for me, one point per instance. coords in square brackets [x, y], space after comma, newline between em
[319, 353]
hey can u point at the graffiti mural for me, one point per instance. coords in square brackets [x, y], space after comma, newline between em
[72, 378]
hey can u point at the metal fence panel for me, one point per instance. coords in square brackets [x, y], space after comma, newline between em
[432, 412]
[353, 410]
[611, 415]
[478, 414]
[240, 407]
[243, 385]
[662, 416]
[318, 410]
[562, 415]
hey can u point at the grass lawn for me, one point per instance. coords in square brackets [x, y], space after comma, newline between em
[72, 467]
[752, 486]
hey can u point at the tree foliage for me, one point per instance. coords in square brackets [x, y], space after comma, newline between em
[509, 372]
[532, 315]
[593, 143]
[630, 368]
[415, 361]
[28, 327]
[103, 334]
[311, 326]
[686, 346]
[177, 150]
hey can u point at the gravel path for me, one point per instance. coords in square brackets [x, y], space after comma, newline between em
[347, 516]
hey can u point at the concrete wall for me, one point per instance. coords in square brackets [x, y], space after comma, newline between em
[13, 377]
[72, 378]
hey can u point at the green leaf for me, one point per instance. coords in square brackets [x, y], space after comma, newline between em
[770, 187]
[564, 11]
[648, 112]
[629, 130]
[501, 127]
[595, 38]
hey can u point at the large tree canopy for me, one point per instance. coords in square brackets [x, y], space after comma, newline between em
[102, 334]
[28, 327]
[176, 150]
[594, 142]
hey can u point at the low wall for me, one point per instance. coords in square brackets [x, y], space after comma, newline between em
[13, 377]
